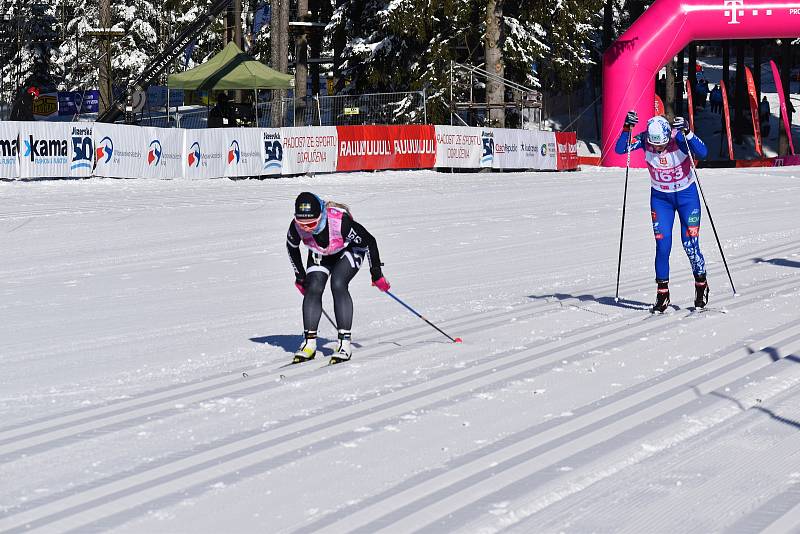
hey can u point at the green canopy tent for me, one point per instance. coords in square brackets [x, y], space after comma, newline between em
[230, 69]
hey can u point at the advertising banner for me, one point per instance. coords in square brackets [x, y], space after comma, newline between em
[385, 147]
[458, 147]
[157, 97]
[242, 151]
[753, 97]
[204, 154]
[309, 149]
[119, 150]
[138, 152]
[81, 160]
[727, 118]
[45, 149]
[9, 150]
[567, 147]
[271, 151]
[45, 107]
[524, 149]
[76, 102]
[164, 155]
[782, 98]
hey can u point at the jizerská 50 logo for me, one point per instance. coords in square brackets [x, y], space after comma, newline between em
[82, 148]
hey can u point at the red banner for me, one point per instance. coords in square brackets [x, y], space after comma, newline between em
[386, 147]
[751, 91]
[659, 106]
[567, 151]
[727, 115]
[690, 103]
[784, 113]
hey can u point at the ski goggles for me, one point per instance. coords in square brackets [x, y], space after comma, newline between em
[307, 224]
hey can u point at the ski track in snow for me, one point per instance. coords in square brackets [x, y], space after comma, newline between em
[145, 326]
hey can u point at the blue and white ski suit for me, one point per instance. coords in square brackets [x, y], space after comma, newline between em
[673, 189]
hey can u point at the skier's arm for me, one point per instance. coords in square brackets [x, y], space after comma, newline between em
[622, 143]
[293, 248]
[360, 237]
[694, 143]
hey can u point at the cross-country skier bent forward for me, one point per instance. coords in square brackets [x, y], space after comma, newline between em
[337, 245]
[673, 189]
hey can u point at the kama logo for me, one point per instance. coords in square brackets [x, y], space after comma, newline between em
[194, 155]
[234, 153]
[81, 152]
[45, 148]
[105, 150]
[154, 152]
[543, 150]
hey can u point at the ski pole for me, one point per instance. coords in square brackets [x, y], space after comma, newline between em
[624, 203]
[710, 218]
[328, 317]
[415, 312]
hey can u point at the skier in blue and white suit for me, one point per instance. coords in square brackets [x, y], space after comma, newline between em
[673, 189]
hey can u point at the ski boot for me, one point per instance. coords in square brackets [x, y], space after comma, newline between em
[308, 349]
[344, 351]
[662, 297]
[700, 291]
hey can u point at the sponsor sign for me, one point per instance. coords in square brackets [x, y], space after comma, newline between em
[204, 154]
[157, 96]
[82, 144]
[119, 151]
[309, 149]
[45, 149]
[458, 147]
[242, 148]
[74, 102]
[385, 147]
[271, 151]
[351, 111]
[9, 150]
[45, 107]
[567, 147]
[524, 149]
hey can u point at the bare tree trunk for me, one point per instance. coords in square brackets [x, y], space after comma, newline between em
[279, 32]
[301, 65]
[106, 97]
[679, 85]
[493, 46]
[608, 24]
[669, 90]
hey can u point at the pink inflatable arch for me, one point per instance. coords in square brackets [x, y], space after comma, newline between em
[630, 64]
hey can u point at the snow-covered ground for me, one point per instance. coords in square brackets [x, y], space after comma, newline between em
[144, 326]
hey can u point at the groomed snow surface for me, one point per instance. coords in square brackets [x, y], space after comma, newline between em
[144, 326]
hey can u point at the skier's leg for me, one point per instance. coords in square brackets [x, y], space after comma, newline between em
[343, 271]
[662, 212]
[689, 214]
[316, 278]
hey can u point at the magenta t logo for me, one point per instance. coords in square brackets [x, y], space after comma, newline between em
[734, 6]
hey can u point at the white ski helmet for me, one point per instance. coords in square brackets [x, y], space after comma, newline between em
[659, 132]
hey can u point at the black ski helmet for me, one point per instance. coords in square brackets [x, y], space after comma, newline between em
[307, 206]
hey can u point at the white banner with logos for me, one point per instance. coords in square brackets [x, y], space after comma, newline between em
[204, 154]
[163, 152]
[9, 150]
[462, 147]
[243, 151]
[120, 151]
[524, 149]
[311, 149]
[44, 149]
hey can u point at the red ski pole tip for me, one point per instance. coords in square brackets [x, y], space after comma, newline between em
[458, 340]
